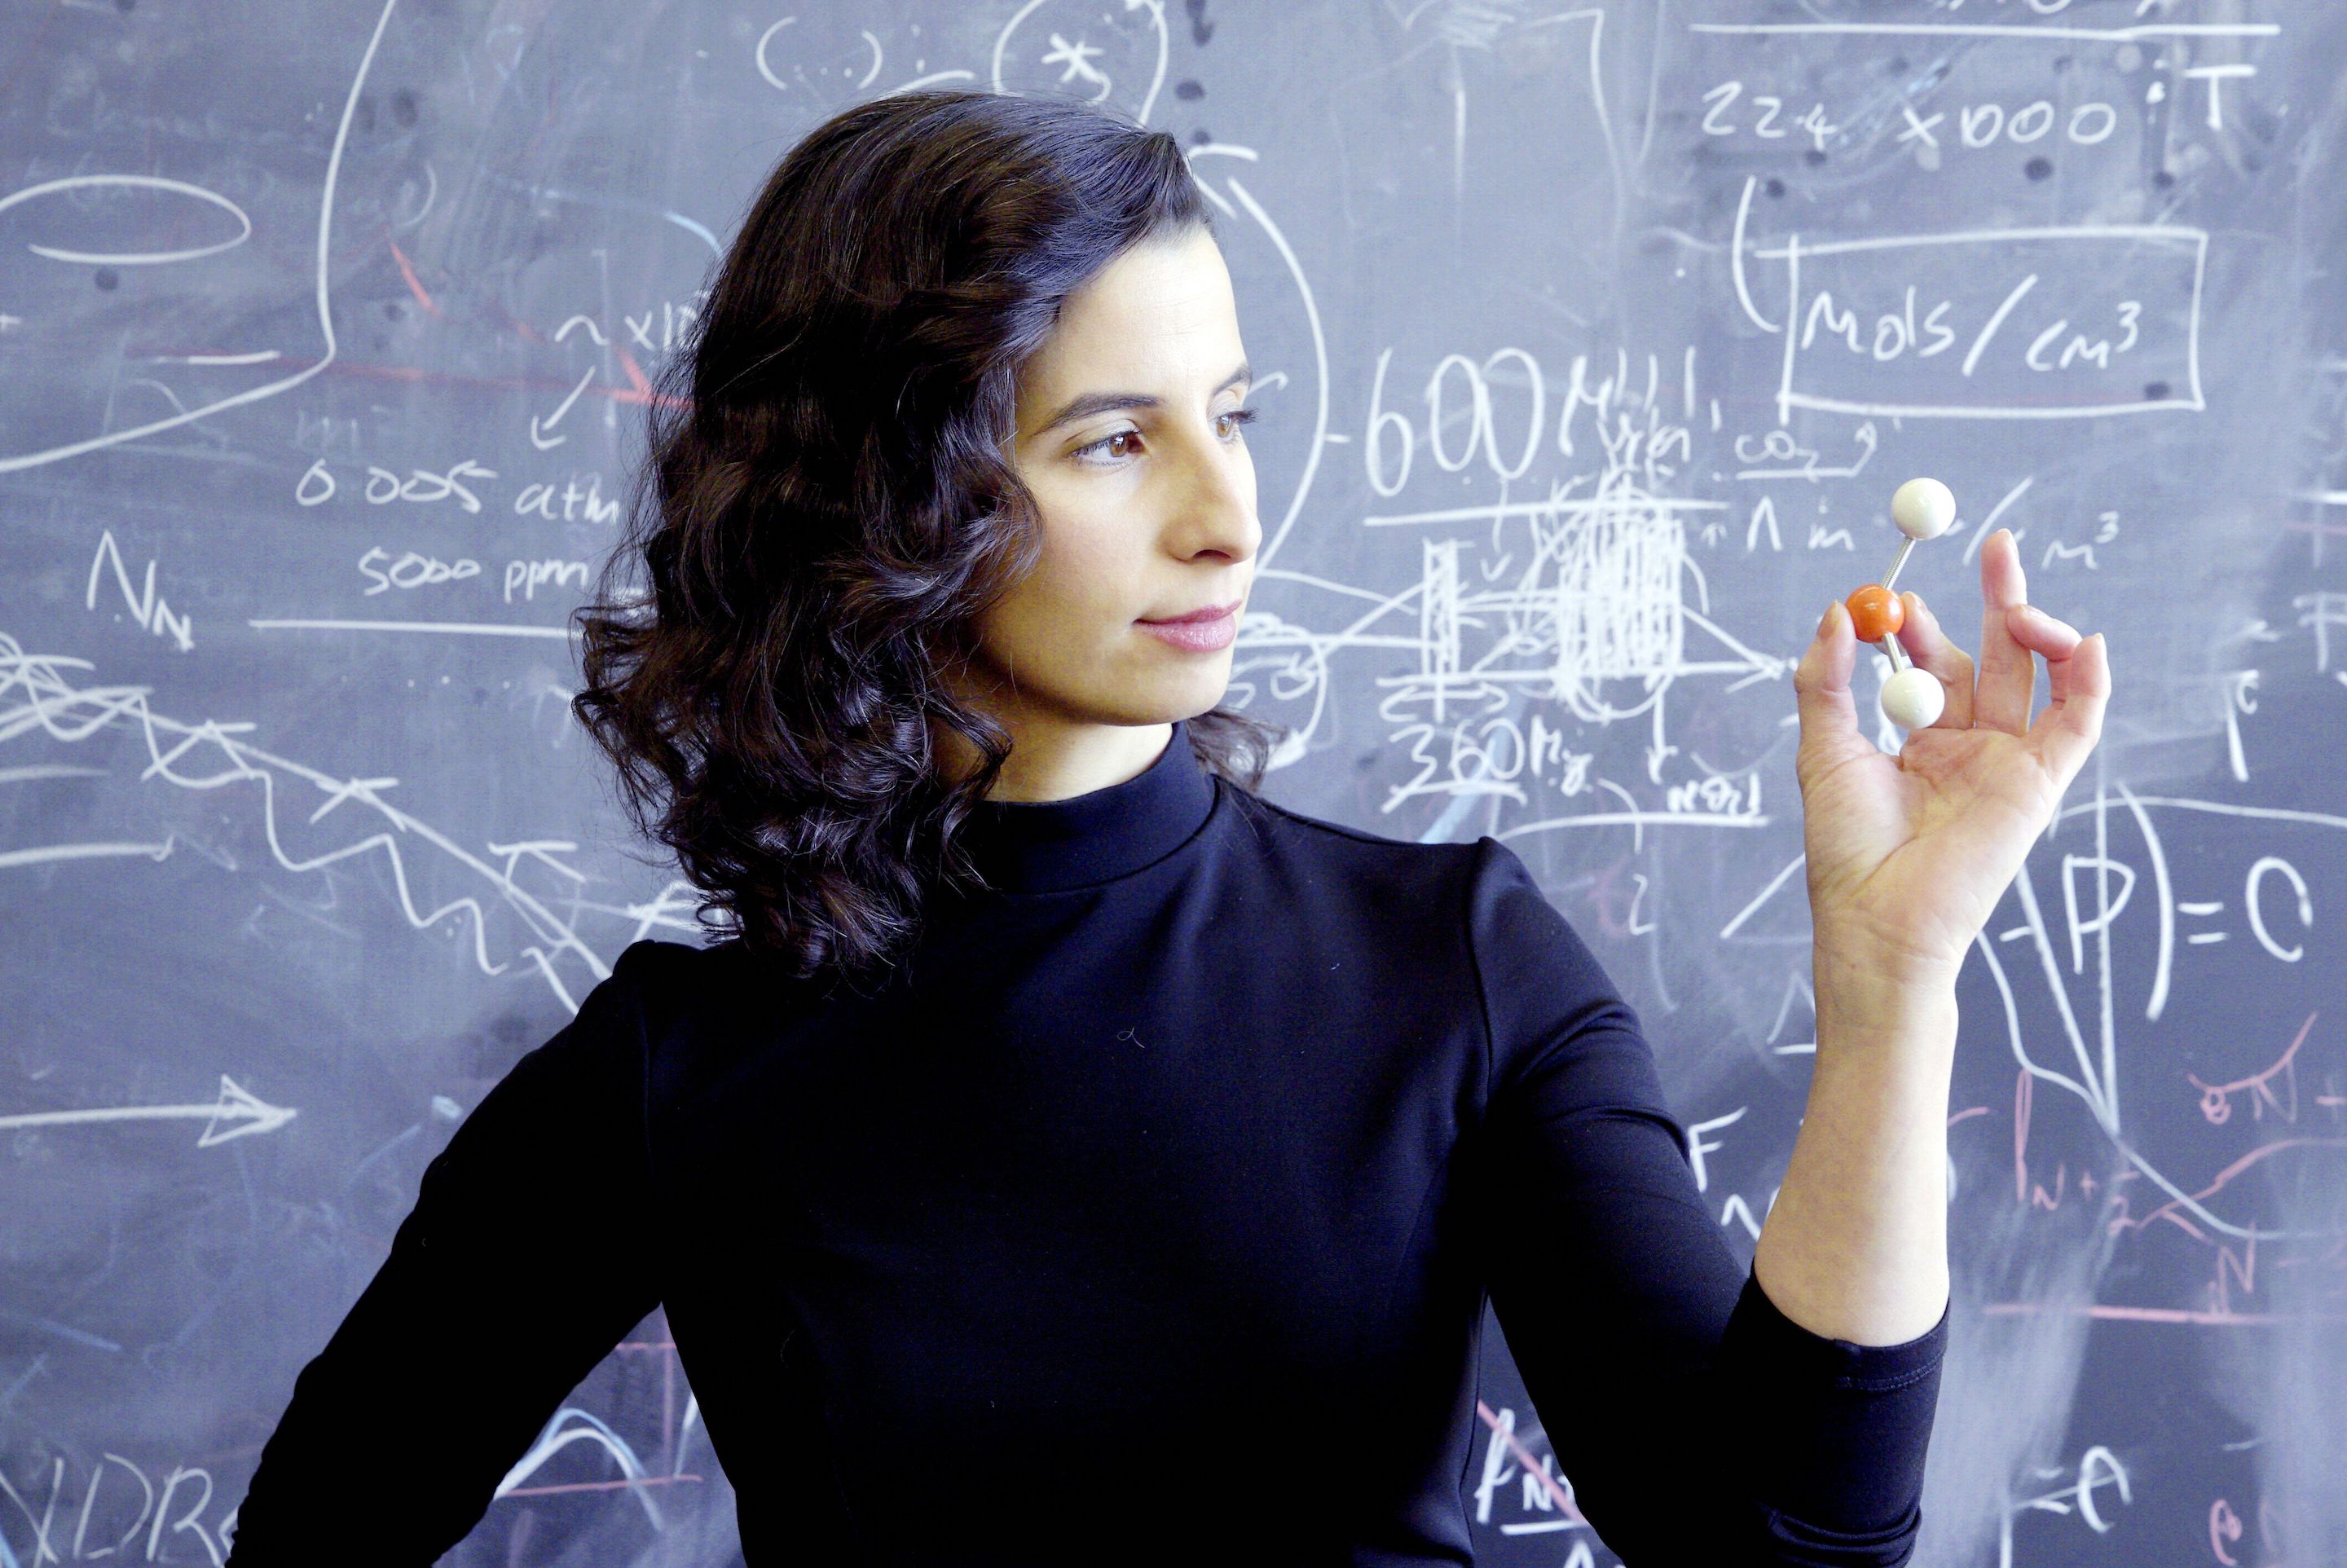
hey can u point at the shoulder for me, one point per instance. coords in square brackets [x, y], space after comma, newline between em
[651, 959]
[1514, 928]
[1528, 972]
[1554, 1015]
[1486, 882]
[656, 982]
[1478, 893]
[1379, 861]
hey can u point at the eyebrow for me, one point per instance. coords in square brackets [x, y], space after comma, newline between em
[1093, 403]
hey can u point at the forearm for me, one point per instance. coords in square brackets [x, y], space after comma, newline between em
[1855, 1245]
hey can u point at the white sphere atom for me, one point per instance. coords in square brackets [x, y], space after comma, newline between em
[1922, 508]
[1913, 698]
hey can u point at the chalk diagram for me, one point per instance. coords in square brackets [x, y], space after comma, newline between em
[1562, 605]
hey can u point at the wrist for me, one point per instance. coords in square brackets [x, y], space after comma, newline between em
[1876, 987]
[1866, 956]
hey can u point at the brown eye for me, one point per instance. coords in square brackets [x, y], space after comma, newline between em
[1103, 441]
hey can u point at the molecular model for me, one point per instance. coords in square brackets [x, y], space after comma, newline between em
[1913, 698]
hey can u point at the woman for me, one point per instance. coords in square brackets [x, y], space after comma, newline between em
[1077, 1157]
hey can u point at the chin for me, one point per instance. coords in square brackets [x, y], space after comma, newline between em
[1159, 703]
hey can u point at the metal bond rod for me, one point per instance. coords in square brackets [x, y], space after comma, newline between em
[1891, 576]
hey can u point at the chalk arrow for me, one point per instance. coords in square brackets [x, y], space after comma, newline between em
[237, 1107]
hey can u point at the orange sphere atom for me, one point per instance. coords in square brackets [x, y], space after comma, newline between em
[1876, 612]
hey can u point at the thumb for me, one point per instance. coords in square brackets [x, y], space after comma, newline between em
[1829, 712]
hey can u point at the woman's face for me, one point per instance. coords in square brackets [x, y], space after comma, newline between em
[1127, 437]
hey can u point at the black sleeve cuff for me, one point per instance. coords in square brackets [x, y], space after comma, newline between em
[1835, 1432]
[1814, 1359]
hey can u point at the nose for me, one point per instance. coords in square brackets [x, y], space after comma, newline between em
[1220, 510]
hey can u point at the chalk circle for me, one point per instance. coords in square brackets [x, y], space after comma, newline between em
[131, 258]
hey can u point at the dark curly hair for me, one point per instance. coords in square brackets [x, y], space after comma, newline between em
[828, 504]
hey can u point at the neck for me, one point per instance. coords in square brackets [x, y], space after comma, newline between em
[1054, 759]
[1079, 839]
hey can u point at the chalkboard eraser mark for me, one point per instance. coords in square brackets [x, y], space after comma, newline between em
[1775, 187]
[2154, 391]
[1202, 136]
[2038, 168]
[1189, 89]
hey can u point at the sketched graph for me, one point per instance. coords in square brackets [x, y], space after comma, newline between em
[38, 699]
[1606, 598]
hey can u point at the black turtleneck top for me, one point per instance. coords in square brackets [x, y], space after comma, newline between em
[1145, 1213]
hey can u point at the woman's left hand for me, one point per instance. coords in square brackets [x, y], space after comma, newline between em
[1908, 855]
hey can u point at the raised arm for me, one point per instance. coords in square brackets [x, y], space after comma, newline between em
[1907, 857]
[1693, 1419]
[526, 1258]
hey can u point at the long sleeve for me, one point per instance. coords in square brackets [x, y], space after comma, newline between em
[526, 1258]
[1695, 1421]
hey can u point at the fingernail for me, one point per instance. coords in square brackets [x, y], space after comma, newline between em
[1827, 619]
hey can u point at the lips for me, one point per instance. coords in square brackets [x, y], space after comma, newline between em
[1212, 612]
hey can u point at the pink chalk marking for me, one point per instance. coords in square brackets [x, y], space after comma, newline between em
[1531, 1466]
[639, 388]
[2218, 1182]
[2162, 1313]
[2217, 1098]
[414, 284]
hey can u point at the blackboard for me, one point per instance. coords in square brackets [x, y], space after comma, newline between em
[1592, 341]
